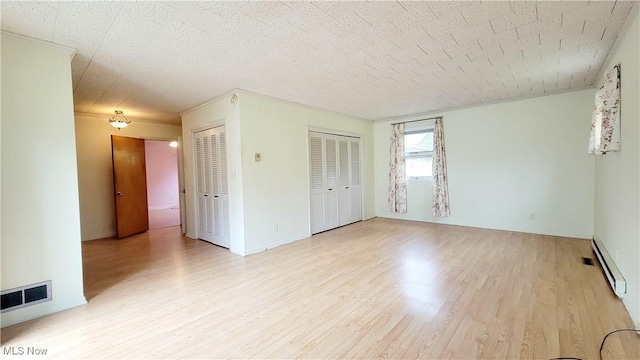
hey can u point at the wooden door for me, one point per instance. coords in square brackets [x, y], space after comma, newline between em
[130, 185]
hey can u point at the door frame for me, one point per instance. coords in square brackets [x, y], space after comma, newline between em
[194, 179]
[183, 208]
[327, 131]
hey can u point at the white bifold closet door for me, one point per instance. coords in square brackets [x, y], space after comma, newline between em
[212, 186]
[336, 191]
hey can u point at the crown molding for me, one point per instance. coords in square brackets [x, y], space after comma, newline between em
[106, 117]
[72, 51]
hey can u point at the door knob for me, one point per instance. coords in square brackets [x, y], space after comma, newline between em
[119, 193]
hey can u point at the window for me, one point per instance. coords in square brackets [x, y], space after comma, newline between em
[418, 152]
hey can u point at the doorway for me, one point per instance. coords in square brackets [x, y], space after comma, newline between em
[163, 193]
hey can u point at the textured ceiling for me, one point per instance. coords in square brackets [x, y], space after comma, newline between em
[367, 59]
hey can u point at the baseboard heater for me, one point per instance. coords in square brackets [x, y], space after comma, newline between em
[618, 284]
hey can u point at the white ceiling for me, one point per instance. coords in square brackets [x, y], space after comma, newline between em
[372, 60]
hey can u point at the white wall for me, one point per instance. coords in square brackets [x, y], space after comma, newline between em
[276, 189]
[506, 163]
[40, 209]
[617, 179]
[95, 169]
[215, 113]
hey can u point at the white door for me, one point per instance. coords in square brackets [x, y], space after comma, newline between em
[212, 186]
[317, 169]
[356, 186]
[335, 188]
[324, 183]
[183, 213]
[350, 189]
[331, 204]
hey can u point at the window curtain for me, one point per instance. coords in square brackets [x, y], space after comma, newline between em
[397, 176]
[605, 122]
[440, 206]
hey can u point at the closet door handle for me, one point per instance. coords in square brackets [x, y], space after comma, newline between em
[119, 193]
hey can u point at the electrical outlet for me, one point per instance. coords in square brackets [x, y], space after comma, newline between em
[532, 216]
[275, 228]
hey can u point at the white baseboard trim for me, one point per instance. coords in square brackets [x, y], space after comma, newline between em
[277, 243]
[632, 313]
[162, 207]
[99, 236]
[448, 221]
[39, 310]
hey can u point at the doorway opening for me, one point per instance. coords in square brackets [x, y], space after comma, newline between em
[157, 205]
[163, 191]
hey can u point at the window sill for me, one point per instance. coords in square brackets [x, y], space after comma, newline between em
[419, 178]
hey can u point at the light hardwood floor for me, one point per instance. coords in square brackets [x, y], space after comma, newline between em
[376, 289]
[163, 218]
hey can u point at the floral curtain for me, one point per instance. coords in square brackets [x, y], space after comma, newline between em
[397, 176]
[440, 206]
[605, 122]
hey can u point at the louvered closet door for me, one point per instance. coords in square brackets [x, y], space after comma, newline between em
[355, 187]
[334, 199]
[317, 169]
[203, 185]
[331, 207]
[212, 186]
[350, 189]
[324, 182]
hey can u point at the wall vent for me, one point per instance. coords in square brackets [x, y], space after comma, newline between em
[618, 284]
[24, 296]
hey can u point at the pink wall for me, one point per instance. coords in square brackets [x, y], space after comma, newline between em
[162, 174]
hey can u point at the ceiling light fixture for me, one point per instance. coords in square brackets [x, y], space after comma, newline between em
[173, 144]
[118, 120]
